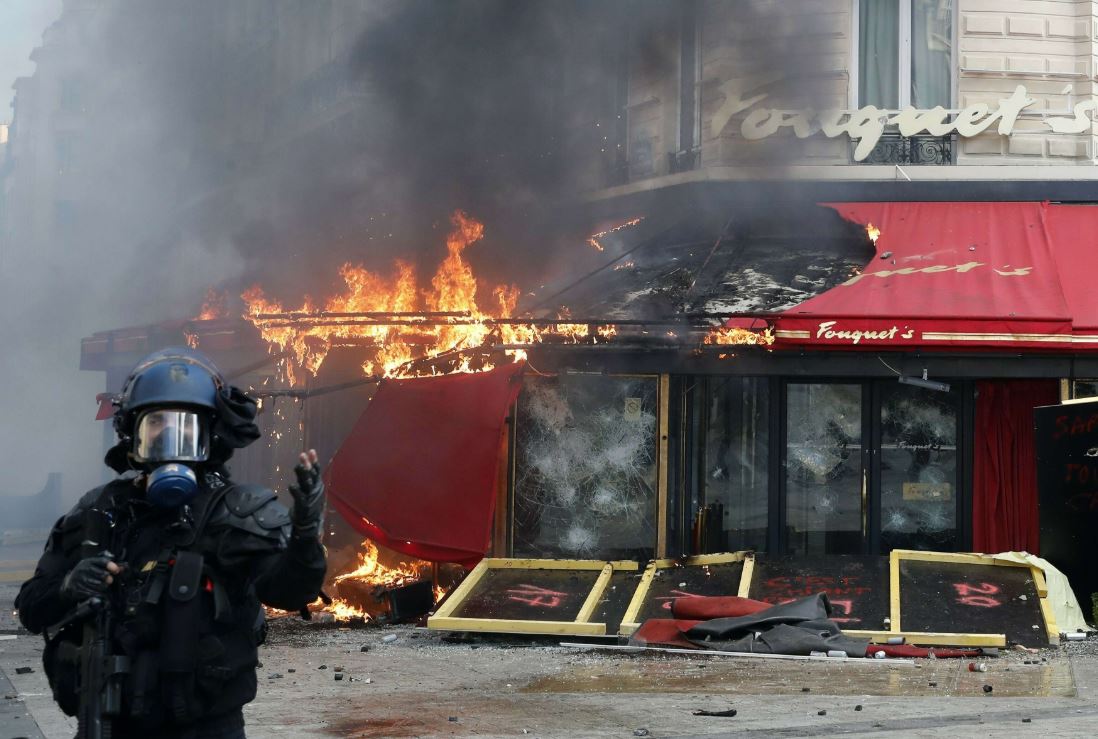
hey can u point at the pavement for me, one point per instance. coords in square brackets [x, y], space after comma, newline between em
[408, 682]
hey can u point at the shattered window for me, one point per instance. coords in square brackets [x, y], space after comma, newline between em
[585, 468]
[918, 468]
[824, 482]
[736, 461]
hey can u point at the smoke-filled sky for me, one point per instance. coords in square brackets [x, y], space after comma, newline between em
[222, 144]
[176, 178]
[21, 26]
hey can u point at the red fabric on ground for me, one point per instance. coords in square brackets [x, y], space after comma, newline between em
[910, 650]
[418, 472]
[1004, 479]
[704, 608]
[663, 632]
[950, 274]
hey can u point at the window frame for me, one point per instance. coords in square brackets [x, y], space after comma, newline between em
[904, 66]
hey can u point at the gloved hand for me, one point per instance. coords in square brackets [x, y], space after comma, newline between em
[90, 577]
[308, 496]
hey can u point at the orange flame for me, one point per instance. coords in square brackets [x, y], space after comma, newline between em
[728, 335]
[872, 232]
[371, 572]
[213, 306]
[458, 322]
[593, 239]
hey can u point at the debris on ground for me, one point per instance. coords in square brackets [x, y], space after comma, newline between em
[702, 712]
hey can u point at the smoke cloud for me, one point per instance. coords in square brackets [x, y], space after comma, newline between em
[171, 147]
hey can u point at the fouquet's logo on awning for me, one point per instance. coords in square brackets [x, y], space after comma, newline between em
[866, 125]
[1005, 271]
[829, 330]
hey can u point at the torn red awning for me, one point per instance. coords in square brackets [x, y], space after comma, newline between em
[956, 274]
[418, 472]
[106, 406]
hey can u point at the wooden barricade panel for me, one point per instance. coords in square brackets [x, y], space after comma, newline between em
[535, 596]
[856, 586]
[969, 594]
[667, 579]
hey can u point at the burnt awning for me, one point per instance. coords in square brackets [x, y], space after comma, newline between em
[419, 471]
[958, 275]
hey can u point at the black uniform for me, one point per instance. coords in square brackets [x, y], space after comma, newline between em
[186, 609]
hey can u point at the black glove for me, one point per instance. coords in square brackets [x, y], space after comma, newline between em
[87, 579]
[308, 496]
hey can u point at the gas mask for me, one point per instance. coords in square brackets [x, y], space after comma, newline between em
[168, 442]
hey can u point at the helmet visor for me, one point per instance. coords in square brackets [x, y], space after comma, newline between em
[171, 436]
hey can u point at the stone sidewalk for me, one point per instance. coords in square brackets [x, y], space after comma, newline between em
[411, 682]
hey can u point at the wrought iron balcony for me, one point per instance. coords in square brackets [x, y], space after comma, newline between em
[896, 149]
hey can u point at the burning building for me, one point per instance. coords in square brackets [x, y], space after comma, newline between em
[797, 280]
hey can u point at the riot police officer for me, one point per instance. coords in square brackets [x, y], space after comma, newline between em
[179, 556]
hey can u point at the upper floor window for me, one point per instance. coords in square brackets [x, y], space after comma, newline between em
[905, 53]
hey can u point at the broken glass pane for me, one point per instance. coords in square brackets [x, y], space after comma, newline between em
[585, 467]
[918, 468]
[824, 482]
[736, 460]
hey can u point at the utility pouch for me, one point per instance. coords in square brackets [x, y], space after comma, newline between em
[61, 661]
[178, 644]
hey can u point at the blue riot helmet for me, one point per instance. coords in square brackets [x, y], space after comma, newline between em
[165, 413]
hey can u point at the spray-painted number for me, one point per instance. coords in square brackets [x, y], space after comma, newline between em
[532, 595]
[977, 595]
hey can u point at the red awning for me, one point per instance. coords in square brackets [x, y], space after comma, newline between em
[418, 472]
[106, 406]
[958, 274]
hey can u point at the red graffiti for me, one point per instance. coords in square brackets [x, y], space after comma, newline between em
[1067, 426]
[843, 607]
[977, 595]
[534, 596]
[1083, 502]
[675, 594]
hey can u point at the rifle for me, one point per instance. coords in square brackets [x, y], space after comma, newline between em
[100, 671]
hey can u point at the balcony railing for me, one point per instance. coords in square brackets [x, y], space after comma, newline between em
[896, 149]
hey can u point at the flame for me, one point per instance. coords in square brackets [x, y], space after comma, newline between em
[213, 306]
[872, 232]
[370, 571]
[624, 265]
[444, 318]
[728, 335]
[593, 239]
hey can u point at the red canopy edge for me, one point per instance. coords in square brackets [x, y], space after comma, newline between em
[419, 470]
[106, 406]
[960, 275]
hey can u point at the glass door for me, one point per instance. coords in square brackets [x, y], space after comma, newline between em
[870, 467]
[918, 467]
[826, 477]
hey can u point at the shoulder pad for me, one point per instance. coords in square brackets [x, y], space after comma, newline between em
[75, 517]
[244, 500]
[255, 509]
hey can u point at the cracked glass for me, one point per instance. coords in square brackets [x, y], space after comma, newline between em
[585, 467]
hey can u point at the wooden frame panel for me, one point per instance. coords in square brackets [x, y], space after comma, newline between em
[443, 619]
[629, 622]
[928, 639]
[988, 560]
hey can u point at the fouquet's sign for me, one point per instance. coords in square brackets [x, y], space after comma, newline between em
[867, 125]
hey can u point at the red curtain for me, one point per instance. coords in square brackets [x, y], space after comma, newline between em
[418, 473]
[1004, 479]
